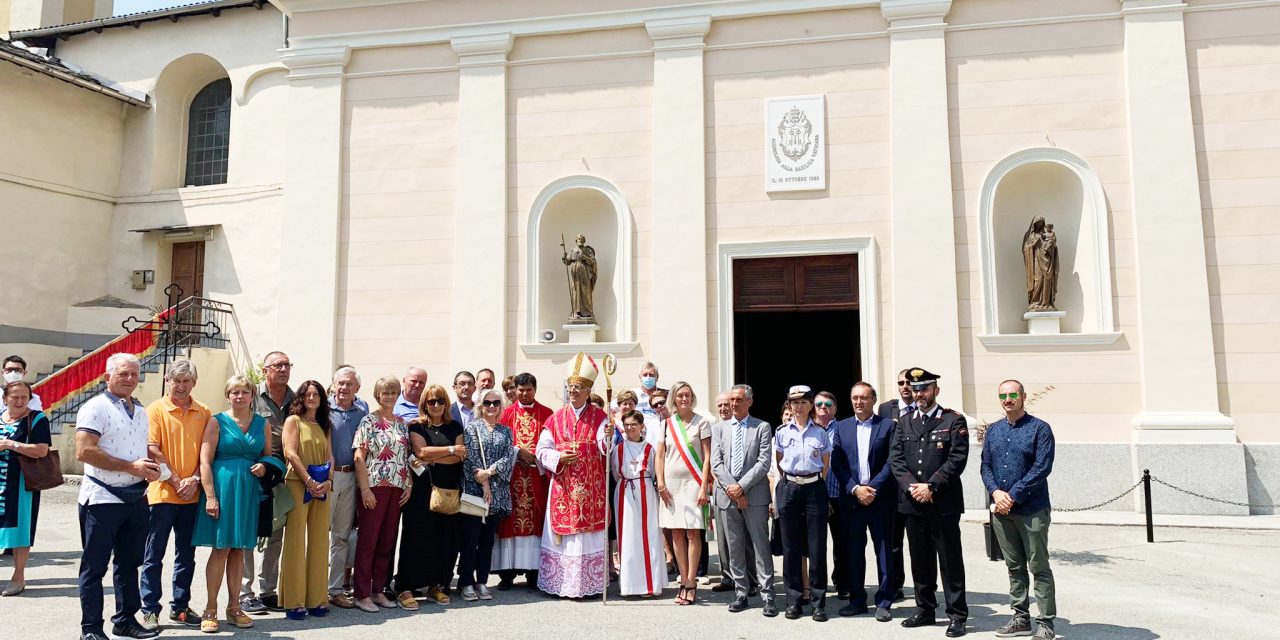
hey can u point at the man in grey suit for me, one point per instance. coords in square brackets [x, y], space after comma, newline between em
[741, 448]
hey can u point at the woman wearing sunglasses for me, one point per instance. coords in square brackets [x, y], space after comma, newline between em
[486, 473]
[427, 539]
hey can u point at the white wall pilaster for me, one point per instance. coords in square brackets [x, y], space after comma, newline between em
[1179, 375]
[311, 211]
[926, 316]
[678, 302]
[480, 226]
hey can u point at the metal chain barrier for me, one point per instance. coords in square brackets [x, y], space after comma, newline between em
[1105, 502]
[1209, 498]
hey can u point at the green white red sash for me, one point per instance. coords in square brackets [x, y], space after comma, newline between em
[686, 446]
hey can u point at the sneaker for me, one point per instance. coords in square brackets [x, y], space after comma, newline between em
[150, 621]
[1045, 632]
[436, 595]
[469, 594]
[484, 592]
[1016, 626]
[185, 616]
[131, 629]
[252, 604]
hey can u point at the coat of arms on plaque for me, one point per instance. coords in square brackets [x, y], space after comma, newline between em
[795, 153]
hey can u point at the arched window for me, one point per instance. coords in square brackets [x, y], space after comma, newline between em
[209, 134]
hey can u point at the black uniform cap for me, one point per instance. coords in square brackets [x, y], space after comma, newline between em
[920, 379]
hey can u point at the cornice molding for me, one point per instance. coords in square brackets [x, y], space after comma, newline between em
[315, 62]
[482, 50]
[915, 15]
[674, 34]
[1140, 7]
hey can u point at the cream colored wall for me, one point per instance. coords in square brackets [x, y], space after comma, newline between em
[569, 118]
[396, 254]
[171, 62]
[1059, 85]
[57, 207]
[853, 75]
[1234, 59]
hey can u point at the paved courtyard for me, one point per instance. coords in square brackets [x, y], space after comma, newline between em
[1112, 584]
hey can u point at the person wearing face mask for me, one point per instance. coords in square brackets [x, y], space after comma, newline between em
[15, 369]
[648, 384]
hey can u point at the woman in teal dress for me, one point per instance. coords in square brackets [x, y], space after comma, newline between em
[233, 456]
[22, 433]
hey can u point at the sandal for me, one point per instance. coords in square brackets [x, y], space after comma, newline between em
[237, 617]
[296, 614]
[692, 598]
[680, 599]
[209, 621]
[407, 601]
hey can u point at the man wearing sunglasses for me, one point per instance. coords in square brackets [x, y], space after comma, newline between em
[893, 410]
[273, 405]
[1017, 456]
[930, 451]
[824, 415]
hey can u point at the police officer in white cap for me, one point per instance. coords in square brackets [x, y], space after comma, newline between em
[804, 458]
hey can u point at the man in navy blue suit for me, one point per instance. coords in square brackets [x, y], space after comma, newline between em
[860, 461]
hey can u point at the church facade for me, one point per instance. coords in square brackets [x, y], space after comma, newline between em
[776, 192]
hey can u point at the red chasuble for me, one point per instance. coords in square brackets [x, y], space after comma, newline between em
[577, 500]
[528, 488]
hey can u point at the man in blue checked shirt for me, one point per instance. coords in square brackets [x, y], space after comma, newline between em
[1017, 456]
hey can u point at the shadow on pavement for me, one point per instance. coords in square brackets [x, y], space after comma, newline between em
[1098, 631]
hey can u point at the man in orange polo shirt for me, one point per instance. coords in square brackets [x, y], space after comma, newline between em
[176, 427]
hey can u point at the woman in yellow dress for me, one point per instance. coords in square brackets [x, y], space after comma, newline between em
[304, 563]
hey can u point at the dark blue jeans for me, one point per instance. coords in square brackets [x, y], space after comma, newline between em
[181, 520]
[108, 530]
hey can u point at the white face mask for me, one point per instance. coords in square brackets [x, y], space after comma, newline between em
[12, 376]
[649, 382]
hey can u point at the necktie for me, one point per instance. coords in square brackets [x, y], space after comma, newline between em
[907, 409]
[739, 448]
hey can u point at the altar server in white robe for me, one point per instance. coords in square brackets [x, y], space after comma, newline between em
[643, 570]
[572, 448]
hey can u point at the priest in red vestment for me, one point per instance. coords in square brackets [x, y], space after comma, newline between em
[519, 545]
[571, 448]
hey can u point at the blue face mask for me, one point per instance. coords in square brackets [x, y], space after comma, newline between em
[649, 382]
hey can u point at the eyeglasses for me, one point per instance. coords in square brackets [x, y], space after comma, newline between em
[824, 404]
[903, 383]
[281, 366]
[492, 403]
[434, 402]
[1013, 395]
[658, 405]
[13, 370]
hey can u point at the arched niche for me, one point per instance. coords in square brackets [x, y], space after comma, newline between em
[1060, 187]
[594, 207]
[177, 85]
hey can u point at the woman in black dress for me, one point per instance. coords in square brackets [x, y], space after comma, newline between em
[429, 540]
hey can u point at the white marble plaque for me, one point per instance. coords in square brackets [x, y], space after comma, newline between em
[795, 145]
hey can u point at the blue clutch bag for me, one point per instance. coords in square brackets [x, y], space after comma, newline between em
[319, 473]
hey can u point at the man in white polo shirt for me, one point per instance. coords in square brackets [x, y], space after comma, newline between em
[111, 441]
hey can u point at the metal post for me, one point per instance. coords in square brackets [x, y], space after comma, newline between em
[1146, 494]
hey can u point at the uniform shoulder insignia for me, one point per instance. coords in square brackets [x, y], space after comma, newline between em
[946, 411]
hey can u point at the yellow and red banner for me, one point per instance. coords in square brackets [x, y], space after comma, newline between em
[82, 374]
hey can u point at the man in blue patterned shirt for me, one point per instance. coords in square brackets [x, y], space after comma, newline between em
[1017, 456]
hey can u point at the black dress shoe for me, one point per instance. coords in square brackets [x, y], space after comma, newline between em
[955, 629]
[770, 609]
[898, 596]
[505, 584]
[93, 635]
[272, 602]
[739, 604]
[819, 614]
[722, 587]
[794, 612]
[919, 619]
[883, 615]
[842, 595]
[851, 610]
[131, 629]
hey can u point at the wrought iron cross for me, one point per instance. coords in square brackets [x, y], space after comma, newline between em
[173, 326]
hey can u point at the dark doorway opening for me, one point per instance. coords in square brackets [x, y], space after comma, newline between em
[796, 321]
[776, 350]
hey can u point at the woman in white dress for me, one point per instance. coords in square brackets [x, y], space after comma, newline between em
[684, 480]
[633, 461]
